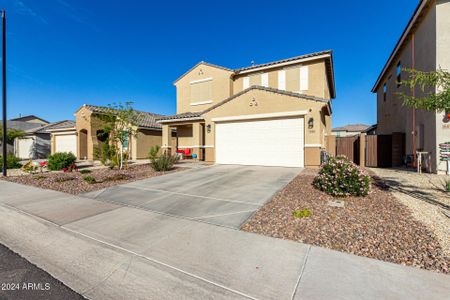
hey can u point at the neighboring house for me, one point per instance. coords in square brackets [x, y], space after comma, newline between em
[425, 46]
[88, 130]
[349, 130]
[36, 143]
[272, 114]
[63, 137]
[31, 119]
[19, 125]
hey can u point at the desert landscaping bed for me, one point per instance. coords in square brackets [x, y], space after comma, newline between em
[376, 226]
[73, 182]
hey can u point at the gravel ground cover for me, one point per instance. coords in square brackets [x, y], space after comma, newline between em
[73, 182]
[376, 226]
[20, 279]
[428, 186]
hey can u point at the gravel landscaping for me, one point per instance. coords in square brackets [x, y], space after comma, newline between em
[376, 226]
[73, 182]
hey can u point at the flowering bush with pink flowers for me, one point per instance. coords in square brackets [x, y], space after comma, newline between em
[341, 177]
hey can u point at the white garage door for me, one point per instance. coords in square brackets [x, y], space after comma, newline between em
[278, 142]
[25, 148]
[66, 143]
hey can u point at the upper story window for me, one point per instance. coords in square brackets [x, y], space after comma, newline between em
[201, 91]
[399, 73]
[384, 91]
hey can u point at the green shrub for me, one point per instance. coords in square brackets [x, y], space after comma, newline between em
[90, 179]
[341, 177]
[154, 152]
[105, 153]
[304, 213]
[61, 160]
[85, 171]
[447, 186]
[12, 162]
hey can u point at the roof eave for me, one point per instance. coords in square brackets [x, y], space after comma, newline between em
[404, 35]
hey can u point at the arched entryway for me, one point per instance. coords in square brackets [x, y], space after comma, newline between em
[82, 144]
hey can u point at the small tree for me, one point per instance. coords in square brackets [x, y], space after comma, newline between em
[119, 122]
[435, 86]
[12, 133]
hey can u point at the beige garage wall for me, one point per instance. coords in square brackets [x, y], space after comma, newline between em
[264, 102]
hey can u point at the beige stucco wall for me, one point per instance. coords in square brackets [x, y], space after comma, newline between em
[221, 87]
[143, 141]
[430, 44]
[86, 121]
[317, 79]
[269, 102]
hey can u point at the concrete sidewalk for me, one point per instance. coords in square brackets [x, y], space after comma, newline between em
[103, 250]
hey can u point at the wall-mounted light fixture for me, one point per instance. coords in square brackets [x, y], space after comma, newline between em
[208, 128]
[311, 123]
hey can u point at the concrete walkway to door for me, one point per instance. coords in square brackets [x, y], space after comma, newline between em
[225, 195]
[108, 251]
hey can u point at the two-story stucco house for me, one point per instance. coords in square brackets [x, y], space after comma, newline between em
[272, 114]
[425, 46]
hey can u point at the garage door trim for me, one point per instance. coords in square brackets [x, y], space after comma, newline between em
[261, 116]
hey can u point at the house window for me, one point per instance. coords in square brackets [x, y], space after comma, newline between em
[282, 80]
[384, 92]
[265, 80]
[246, 83]
[399, 73]
[201, 91]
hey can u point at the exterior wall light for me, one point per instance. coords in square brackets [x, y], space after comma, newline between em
[311, 123]
[208, 128]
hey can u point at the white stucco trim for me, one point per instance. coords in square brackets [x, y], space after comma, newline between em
[201, 80]
[261, 116]
[285, 63]
[313, 145]
[201, 102]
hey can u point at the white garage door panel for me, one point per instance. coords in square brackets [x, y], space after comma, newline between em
[25, 147]
[277, 142]
[66, 143]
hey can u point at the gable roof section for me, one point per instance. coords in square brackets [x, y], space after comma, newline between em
[22, 125]
[28, 117]
[202, 63]
[60, 125]
[352, 128]
[144, 119]
[197, 116]
[415, 19]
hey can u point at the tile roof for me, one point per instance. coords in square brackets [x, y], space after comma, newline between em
[144, 119]
[22, 125]
[190, 115]
[352, 128]
[65, 124]
[27, 117]
[284, 60]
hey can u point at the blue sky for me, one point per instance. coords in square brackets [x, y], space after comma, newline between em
[65, 53]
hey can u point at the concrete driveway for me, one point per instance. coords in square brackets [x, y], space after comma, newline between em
[225, 195]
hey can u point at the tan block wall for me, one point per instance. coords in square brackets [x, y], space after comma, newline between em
[221, 87]
[317, 81]
[312, 157]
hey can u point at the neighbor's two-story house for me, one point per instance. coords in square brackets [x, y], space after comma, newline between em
[272, 114]
[425, 46]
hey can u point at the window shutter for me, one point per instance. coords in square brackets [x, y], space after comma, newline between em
[255, 79]
[246, 83]
[282, 80]
[265, 79]
[304, 73]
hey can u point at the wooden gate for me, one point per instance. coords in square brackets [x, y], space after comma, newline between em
[348, 146]
[379, 151]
